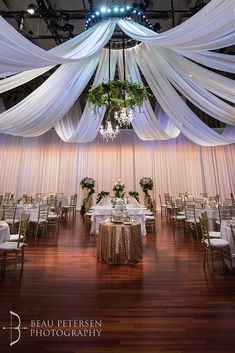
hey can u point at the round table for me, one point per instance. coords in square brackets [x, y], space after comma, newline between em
[119, 243]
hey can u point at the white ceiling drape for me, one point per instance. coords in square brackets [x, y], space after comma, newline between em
[18, 54]
[210, 28]
[162, 58]
[84, 127]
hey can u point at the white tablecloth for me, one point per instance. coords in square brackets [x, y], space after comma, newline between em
[226, 234]
[4, 232]
[33, 211]
[212, 214]
[101, 212]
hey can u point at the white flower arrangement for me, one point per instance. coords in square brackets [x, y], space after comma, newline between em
[118, 188]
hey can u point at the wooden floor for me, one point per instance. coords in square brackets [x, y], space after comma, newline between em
[166, 303]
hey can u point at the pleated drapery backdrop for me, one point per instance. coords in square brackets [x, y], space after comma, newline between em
[47, 164]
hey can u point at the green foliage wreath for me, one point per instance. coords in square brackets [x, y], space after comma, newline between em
[112, 93]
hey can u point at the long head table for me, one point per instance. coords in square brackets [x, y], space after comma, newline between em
[102, 212]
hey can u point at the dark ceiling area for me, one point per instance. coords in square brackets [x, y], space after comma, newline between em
[55, 21]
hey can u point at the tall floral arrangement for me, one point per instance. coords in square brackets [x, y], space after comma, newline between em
[147, 184]
[89, 185]
[119, 188]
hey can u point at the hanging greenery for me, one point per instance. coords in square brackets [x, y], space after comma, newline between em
[117, 94]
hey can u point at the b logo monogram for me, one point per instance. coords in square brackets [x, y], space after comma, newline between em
[17, 328]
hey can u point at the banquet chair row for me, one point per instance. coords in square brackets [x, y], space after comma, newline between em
[8, 198]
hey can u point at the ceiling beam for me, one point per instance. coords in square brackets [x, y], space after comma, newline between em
[83, 14]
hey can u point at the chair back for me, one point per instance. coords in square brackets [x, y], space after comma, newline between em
[232, 226]
[43, 212]
[1, 213]
[24, 225]
[51, 201]
[180, 204]
[7, 198]
[204, 215]
[225, 213]
[9, 212]
[204, 230]
[59, 194]
[203, 194]
[73, 200]
[168, 199]
[57, 208]
[190, 212]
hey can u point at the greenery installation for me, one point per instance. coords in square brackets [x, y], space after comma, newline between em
[117, 94]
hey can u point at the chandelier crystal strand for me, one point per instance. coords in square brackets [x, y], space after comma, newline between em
[124, 118]
[108, 132]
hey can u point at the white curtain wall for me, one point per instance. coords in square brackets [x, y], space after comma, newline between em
[47, 164]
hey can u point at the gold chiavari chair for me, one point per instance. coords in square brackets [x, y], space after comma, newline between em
[9, 215]
[214, 248]
[40, 223]
[11, 251]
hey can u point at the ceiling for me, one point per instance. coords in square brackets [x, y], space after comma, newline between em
[47, 28]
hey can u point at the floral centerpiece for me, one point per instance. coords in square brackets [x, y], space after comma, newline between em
[134, 194]
[89, 185]
[101, 195]
[118, 189]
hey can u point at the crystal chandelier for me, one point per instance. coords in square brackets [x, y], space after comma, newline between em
[108, 132]
[124, 117]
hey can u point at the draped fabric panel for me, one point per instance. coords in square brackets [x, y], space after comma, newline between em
[84, 128]
[219, 85]
[218, 61]
[197, 94]
[18, 54]
[47, 164]
[185, 120]
[146, 124]
[43, 108]
[216, 29]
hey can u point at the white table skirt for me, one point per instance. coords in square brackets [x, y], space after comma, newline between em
[4, 232]
[226, 234]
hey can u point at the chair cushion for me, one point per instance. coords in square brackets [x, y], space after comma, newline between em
[15, 237]
[179, 217]
[217, 243]
[214, 234]
[11, 245]
[150, 218]
[52, 216]
[10, 220]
